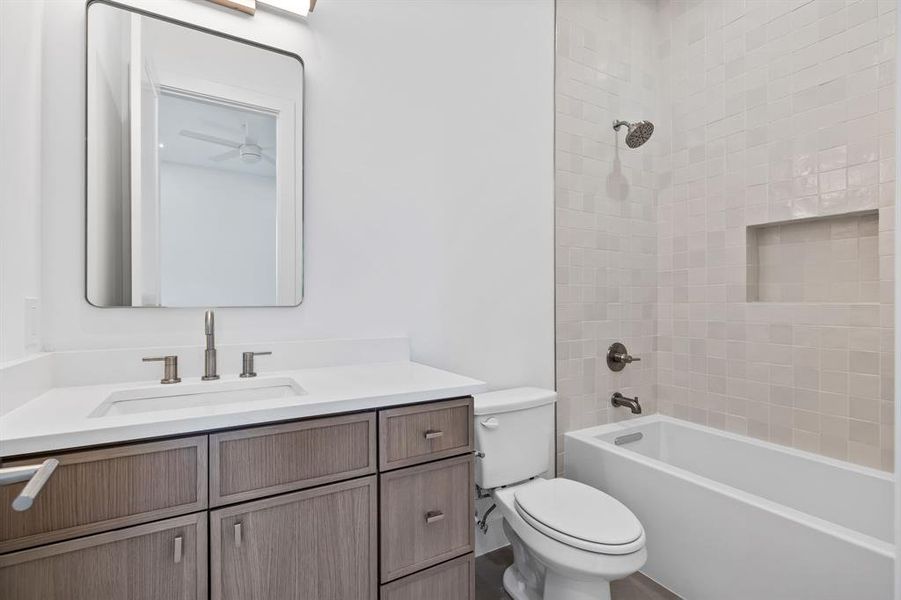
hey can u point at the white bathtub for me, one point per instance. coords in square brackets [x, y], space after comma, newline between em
[729, 517]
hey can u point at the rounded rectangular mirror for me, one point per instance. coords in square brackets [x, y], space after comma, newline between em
[194, 166]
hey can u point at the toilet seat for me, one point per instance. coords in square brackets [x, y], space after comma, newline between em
[579, 516]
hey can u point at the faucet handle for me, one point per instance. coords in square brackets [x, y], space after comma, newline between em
[248, 362]
[170, 367]
[618, 357]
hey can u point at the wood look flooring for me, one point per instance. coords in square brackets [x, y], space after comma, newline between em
[490, 572]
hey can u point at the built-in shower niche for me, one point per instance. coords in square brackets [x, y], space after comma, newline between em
[831, 259]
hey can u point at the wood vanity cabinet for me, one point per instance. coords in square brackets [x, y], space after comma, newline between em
[376, 504]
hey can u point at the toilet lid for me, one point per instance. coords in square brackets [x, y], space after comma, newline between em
[579, 515]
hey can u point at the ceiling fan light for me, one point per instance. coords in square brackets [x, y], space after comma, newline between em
[251, 154]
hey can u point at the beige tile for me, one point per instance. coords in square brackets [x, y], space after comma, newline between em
[723, 250]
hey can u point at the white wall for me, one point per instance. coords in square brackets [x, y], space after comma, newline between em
[20, 172]
[217, 237]
[429, 184]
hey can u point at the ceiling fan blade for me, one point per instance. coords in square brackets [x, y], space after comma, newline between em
[268, 159]
[209, 138]
[229, 129]
[226, 155]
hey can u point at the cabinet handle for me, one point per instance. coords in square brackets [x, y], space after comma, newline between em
[237, 535]
[35, 475]
[432, 434]
[178, 550]
[433, 516]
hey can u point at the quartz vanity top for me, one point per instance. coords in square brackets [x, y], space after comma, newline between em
[62, 418]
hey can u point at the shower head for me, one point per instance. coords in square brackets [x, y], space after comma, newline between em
[637, 134]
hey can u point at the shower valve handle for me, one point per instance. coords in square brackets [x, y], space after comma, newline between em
[618, 357]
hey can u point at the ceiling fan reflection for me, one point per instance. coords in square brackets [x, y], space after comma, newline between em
[247, 149]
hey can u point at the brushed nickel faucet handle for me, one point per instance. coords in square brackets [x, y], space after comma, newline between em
[247, 363]
[170, 364]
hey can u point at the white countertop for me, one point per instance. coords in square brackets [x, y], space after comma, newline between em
[60, 418]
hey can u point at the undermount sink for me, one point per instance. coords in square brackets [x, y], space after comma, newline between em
[194, 395]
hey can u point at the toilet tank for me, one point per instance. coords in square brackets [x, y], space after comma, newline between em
[515, 430]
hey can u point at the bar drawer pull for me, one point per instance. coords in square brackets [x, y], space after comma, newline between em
[238, 536]
[35, 475]
[433, 434]
[178, 543]
[433, 516]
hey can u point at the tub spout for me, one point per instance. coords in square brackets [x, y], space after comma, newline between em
[632, 404]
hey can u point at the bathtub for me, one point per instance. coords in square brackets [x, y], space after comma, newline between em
[728, 517]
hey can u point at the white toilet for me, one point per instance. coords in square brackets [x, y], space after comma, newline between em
[569, 540]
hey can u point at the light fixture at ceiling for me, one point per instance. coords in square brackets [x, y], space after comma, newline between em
[299, 8]
[296, 8]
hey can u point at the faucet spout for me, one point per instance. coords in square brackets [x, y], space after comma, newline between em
[209, 355]
[632, 404]
[209, 324]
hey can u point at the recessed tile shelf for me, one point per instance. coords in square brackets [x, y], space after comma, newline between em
[830, 259]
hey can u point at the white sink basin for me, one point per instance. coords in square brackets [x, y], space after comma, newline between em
[194, 395]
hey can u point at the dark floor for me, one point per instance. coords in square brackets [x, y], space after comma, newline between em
[490, 572]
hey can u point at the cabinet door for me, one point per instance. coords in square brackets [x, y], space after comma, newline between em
[167, 559]
[318, 544]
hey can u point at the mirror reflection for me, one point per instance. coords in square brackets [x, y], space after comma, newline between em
[194, 177]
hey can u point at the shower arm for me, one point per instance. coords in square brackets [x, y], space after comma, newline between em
[618, 124]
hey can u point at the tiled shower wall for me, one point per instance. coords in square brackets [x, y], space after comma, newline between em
[781, 110]
[606, 263]
[766, 112]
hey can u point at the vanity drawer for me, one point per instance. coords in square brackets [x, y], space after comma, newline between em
[453, 580]
[108, 488]
[415, 434]
[262, 461]
[426, 516]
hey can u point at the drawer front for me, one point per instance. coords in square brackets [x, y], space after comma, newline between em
[108, 488]
[415, 434]
[261, 461]
[426, 516]
[162, 560]
[453, 580]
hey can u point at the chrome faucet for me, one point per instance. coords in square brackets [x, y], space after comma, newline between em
[209, 355]
[632, 404]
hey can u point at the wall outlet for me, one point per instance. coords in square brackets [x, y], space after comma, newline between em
[32, 324]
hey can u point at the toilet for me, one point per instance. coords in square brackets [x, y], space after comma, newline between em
[569, 540]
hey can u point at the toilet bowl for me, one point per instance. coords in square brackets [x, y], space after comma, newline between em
[569, 540]
[569, 550]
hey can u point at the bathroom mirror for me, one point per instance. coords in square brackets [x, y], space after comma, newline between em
[194, 166]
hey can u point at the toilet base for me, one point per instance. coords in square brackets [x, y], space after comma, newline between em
[516, 587]
[529, 579]
[554, 587]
